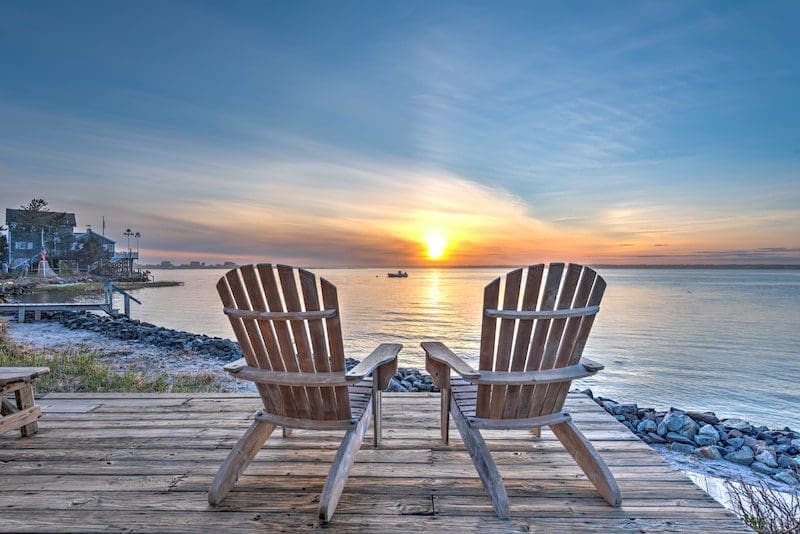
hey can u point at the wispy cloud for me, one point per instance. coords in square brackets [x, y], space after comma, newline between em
[520, 134]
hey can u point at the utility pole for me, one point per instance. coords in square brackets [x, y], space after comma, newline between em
[127, 233]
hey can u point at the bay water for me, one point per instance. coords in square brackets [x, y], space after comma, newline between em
[726, 340]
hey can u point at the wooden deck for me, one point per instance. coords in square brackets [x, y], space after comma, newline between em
[144, 462]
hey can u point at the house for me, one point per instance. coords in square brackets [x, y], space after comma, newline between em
[108, 246]
[30, 231]
[92, 251]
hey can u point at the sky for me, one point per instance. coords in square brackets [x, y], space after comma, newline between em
[410, 133]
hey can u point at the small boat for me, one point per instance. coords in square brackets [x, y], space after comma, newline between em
[398, 274]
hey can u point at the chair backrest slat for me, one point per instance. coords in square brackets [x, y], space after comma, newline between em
[544, 398]
[291, 340]
[536, 350]
[488, 332]
[535, 343]
[302, 343]
[582, 335]
[287, 352]
[505, 341]
[258, 302]
[248, 352]
[548, 361]
[333, 325]
[530, 298]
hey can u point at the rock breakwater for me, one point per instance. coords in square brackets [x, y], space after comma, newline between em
[775, 453]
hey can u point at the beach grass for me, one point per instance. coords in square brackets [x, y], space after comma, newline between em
[96, 287]
[75, 369]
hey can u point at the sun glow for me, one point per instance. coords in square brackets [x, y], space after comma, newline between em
[437, 244]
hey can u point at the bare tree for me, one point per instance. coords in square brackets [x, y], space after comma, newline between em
[764, 509]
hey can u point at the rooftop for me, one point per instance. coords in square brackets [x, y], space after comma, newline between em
[55, 218]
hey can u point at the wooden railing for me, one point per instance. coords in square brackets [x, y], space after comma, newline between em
[127, 298]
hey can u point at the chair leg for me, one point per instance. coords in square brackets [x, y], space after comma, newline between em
[238, 459]
[26, 400]
[341, 466]
[286, 432]
[444, 423]
[589, 460]
[376, 412]
[484, 463]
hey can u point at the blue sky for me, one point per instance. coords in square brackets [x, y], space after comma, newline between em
[345, 133]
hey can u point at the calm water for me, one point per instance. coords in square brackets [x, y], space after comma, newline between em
[724, 340]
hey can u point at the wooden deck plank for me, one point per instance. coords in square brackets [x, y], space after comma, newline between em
[113, 462]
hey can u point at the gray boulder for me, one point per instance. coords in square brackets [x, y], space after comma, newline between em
[788, 462]
[709, 431]
[711, 452]
[786, 476]
[738, 424]
[735, 443]
[682, 448]
[646, 425]
[704, 440]
[678, 438]
[709, 418]
[611, 407]
[743, 456]
[766, 457]
[680, 423]
[762, 468]
[396, 387]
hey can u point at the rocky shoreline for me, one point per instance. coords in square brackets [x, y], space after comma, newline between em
[774, 453]
[405, 380]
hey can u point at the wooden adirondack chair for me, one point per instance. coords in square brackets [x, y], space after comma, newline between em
[291, 339]
[527, 363]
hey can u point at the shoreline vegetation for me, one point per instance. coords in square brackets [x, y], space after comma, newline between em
[80, 369]
[73, 286]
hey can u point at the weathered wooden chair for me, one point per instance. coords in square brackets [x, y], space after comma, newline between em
[527, 363]
[24, 414]
[291, 339]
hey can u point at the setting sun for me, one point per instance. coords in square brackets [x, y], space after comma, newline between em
[436, 244]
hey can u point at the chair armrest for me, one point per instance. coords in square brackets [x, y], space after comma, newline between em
[383, 354]
[240, 369]
[582, 369]
[235, 366]
[440, 353]
[591, 365]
